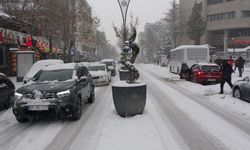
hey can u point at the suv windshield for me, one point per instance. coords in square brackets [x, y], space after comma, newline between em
[96, 68]
[54, 75]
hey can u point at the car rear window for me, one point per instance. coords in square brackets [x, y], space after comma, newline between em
[109, 63]
[210, 68]
[54, 75]
[96, 68]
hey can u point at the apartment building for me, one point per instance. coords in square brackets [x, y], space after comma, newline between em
[228, 22]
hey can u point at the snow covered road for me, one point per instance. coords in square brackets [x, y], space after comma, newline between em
[200, 124]
[175, 118]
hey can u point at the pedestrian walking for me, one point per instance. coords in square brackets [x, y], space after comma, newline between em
[227, 71]
[230, 61]
[239, 63]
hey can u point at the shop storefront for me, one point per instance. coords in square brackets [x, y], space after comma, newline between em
[8, 46]
[13, 41]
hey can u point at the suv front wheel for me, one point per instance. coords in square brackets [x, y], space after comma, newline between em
[91, 99]
[77, 112]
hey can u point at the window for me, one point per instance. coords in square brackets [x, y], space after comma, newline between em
[245, 13]
[239, 32]
[221, 16]
[97, 68]
[211, 2]
[54, 75]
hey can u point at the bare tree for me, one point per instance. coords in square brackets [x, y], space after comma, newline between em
[119, 31]
[172, 19]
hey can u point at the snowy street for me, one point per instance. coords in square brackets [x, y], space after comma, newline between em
[179, 115]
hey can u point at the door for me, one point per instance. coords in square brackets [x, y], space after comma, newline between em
[185, 71]
[4, 91]
[87, 83]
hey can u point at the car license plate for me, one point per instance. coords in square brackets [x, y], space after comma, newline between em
[211, 79]
[38, 108]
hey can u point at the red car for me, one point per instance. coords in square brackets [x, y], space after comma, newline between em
[204, 73]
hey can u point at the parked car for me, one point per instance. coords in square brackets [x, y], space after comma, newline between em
[7, 90]
[37, 66]
[60, 89]
[111, 65]
[99, 73]
[204, 73]
[241, 89]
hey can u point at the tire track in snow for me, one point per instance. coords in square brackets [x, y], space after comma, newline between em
[206, 120]
[71, 130]
[28, 138]
[187, 129]
[168, 134]
[234, 119]
[89, 135]
[11, 132]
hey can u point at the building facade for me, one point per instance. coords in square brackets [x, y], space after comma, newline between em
[228, 22]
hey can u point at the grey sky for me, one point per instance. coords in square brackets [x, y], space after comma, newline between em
[146, 10]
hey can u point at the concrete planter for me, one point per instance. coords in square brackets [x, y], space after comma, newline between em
[129, 99]
[124, 75]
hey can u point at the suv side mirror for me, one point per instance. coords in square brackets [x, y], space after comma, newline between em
[83, 79]
[246, 79]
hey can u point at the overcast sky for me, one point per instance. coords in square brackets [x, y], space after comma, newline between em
[146, 10]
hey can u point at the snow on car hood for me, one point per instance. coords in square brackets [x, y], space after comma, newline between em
[52, 87]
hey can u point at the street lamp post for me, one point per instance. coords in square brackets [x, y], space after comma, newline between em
[124, 9]
[233, 44]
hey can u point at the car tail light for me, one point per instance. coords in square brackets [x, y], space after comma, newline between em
[200, 72]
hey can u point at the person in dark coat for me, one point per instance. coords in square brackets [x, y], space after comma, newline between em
[230, 61]
[227, 71]
[239, 63]
[219, 61]
[7, 91]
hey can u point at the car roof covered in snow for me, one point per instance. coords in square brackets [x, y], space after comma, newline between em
[107, 60]
[207, 64]
[190, 46]
[41, 64]
[60, 66]
[96, 64]
[83, 64]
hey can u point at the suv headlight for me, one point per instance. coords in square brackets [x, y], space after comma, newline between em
[63, 94]
[18, 96]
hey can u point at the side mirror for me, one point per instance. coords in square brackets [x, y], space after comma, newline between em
[246, 79]
[83, 79]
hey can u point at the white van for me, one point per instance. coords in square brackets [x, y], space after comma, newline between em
[188, 54]
[37, 66]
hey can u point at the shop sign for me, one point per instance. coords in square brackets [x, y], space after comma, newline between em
[14, 49]
[9, 38]
[241, 42]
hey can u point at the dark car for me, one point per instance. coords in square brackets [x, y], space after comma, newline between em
[241, 89]
[111, 65]
[204, 73]
[58, 89]
[7, 90]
